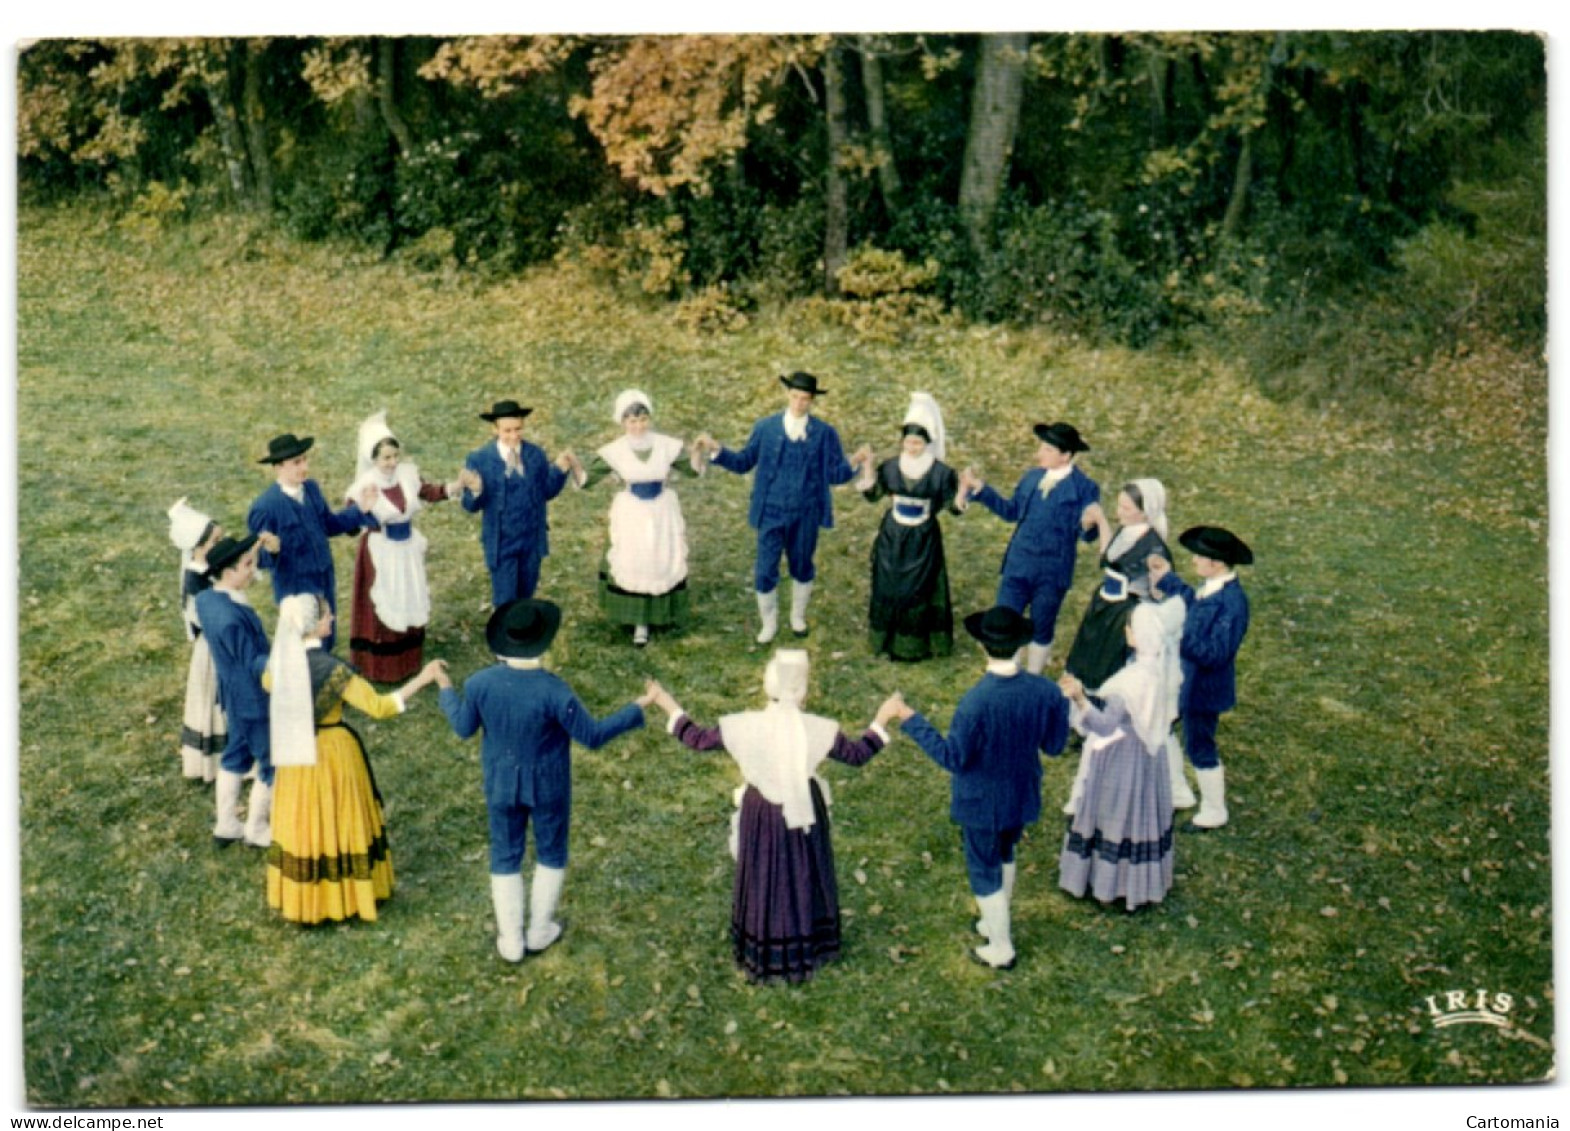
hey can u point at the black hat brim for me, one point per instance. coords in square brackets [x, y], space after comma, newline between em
[493, 416]
[791, 381]
[226, 553]
[509, 647]
[298, 448]
[1017, 639]
[1218, 544]
[1064, 443]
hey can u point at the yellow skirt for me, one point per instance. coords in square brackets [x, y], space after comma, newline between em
[329, 857]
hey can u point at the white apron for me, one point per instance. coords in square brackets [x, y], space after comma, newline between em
[648, 548]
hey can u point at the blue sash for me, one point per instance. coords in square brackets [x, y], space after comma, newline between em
[647, 490]
[398, 531]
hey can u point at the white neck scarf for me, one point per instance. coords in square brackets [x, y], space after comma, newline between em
[796, 426]
[290, 707]
[1125, 538]
[914, 467]
[780, 747]
[1213, 585]
[1052, 478]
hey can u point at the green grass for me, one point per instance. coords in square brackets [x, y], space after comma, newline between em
[1387, 762]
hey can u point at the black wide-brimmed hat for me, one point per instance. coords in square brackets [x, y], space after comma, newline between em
[1063, 437]
[523, 629]
[225, 552]
[1218, 543]
[505, 408]
[804, 381]
[287, 446]
[1000, 629]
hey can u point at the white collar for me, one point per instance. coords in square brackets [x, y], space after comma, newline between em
[1004, 668]
[311, 642]
[236, 595]
[295, 493]
[1059, 473]
[795, 426]
[914, 469]
[1214, 584]
[517, 663]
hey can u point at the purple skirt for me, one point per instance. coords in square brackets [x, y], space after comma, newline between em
[785, 910]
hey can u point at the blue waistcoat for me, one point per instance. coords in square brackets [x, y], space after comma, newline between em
[304, 562]
[1047, 533]
[824, 465]
[993, 749]
[530, 718]
[1213, 632]
[512, 509]
[239, 645]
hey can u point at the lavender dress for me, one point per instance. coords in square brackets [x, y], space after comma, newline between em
[1119, 844]
[785, 912]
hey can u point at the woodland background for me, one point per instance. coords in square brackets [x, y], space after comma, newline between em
[1298, 276]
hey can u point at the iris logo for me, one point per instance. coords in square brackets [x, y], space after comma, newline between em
[1478, 1007]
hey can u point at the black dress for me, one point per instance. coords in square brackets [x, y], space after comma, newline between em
[909, 614]
[1100, 648]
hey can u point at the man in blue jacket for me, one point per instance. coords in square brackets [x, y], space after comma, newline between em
[993, 750]
[1054, 508]
[1213, 632]
[239, 646]
[509, 482]
[798, 458]
[299, 521]
[530, 718]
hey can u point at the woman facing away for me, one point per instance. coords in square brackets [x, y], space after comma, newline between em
[785, 919]
[909, 614]
[1119, 839]
[329, 857]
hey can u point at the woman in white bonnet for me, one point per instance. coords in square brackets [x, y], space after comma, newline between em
[643, 583]
[1100, 650]
[785, 919]
[329, 858]
[1119, 839]
[909, 614]
[392, 598]
[203, 729]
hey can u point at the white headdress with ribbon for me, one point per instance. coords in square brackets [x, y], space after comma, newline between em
[924, 411]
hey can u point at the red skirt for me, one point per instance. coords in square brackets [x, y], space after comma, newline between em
[380, 654]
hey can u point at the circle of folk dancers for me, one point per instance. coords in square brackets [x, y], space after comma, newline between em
[1153, 657]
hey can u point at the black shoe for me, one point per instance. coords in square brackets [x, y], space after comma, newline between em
[226, 841]
[980, 961]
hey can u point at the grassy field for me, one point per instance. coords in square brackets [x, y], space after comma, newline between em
[1388, 761]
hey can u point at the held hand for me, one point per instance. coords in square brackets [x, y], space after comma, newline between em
[368, 497]
[437, 670]
[651, 693]
[1159, 567]
[470, 480]
[667, 703]
[1071, 687]
[268, 541]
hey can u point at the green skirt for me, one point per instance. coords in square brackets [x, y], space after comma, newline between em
[660, 610]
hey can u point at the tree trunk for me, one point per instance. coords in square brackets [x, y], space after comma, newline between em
[216, 77]
[386, 99]
[1232, 222]
[836, 204]
[878, 121]
[255, 119]
[994, 118]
